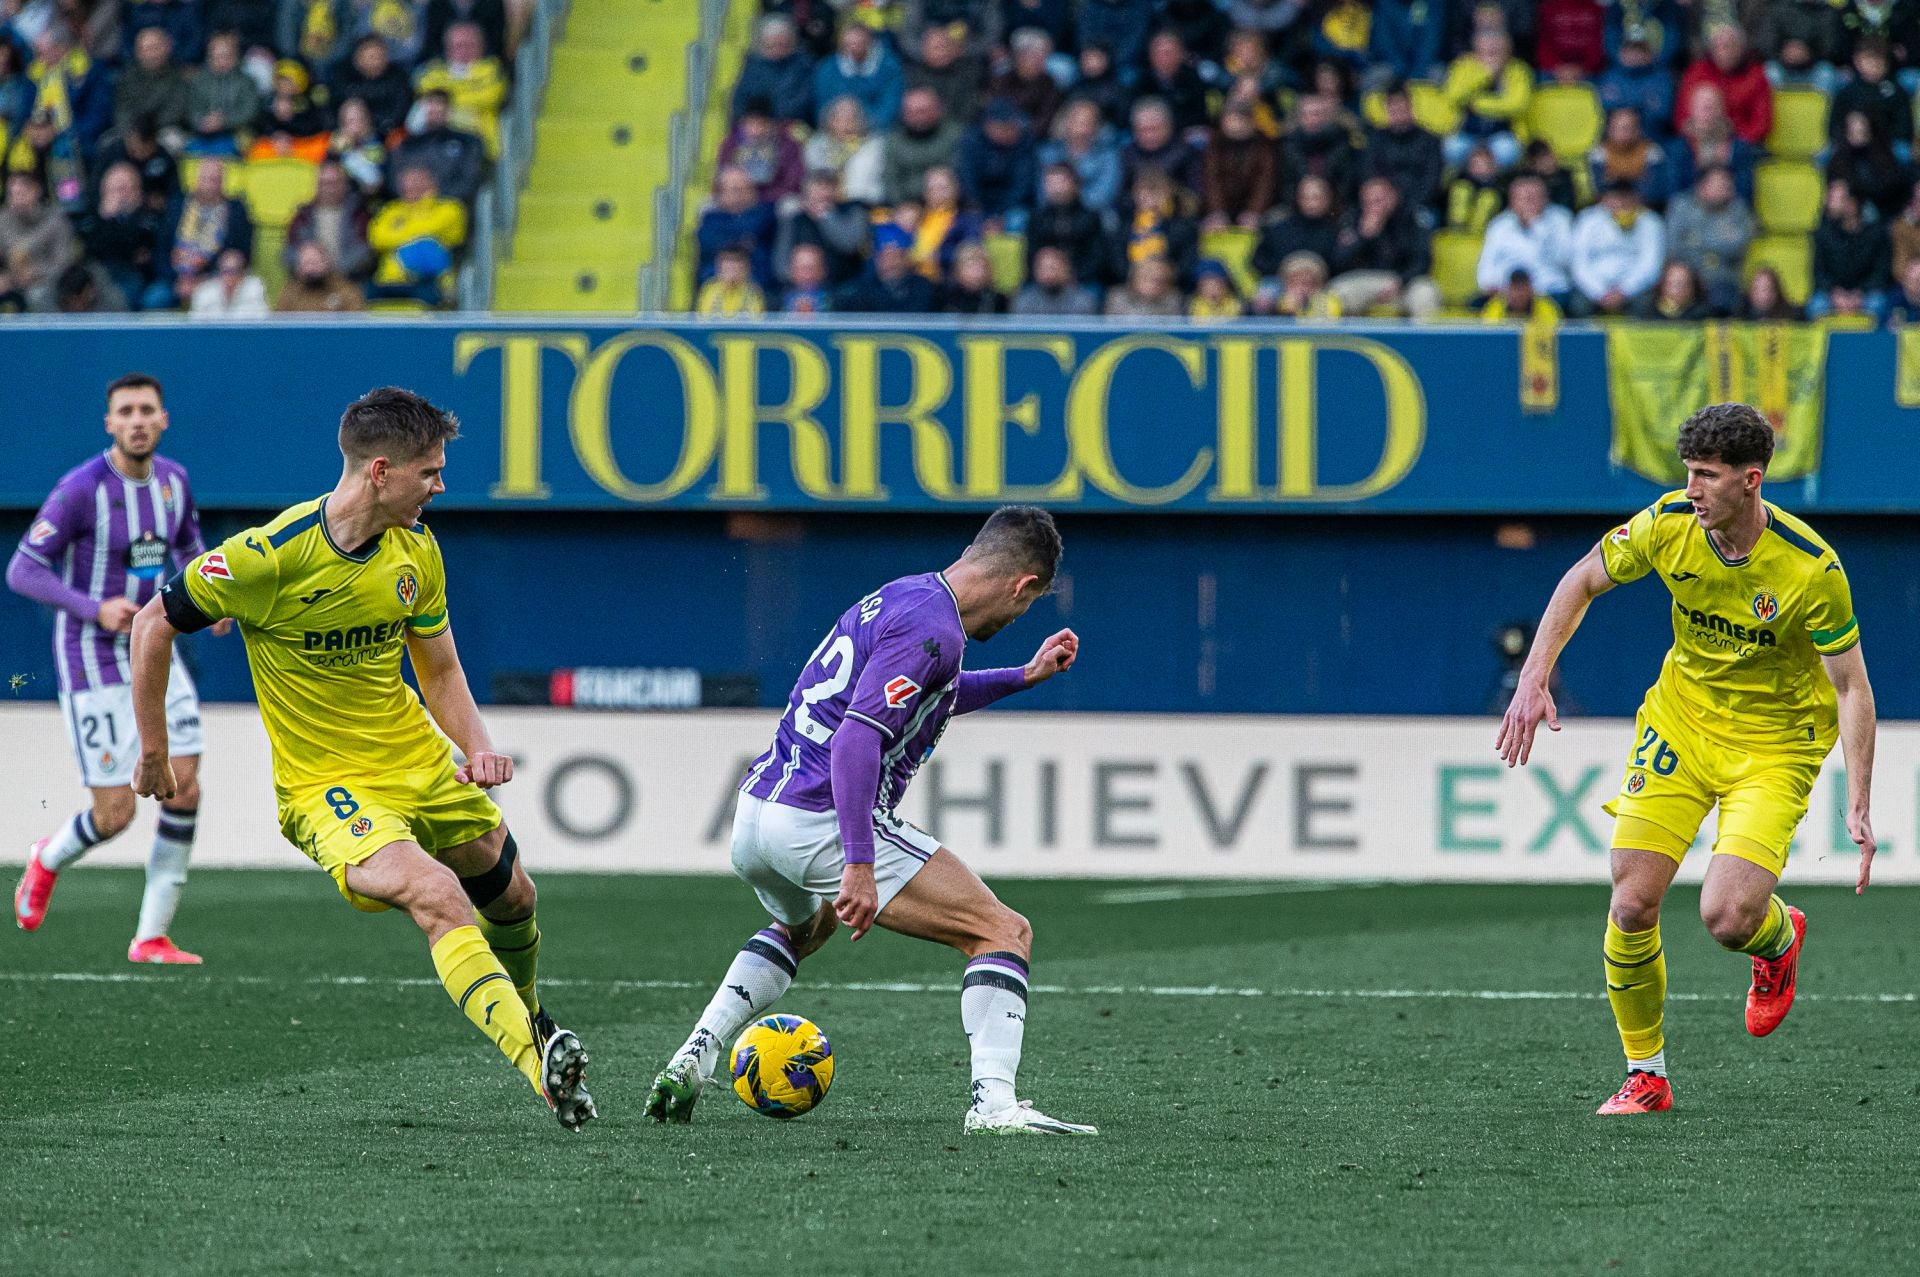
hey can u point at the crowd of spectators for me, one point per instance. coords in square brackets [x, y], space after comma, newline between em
[126, 127]
[875, 147]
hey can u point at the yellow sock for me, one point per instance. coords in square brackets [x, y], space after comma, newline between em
[1637, 988]
[480, 988]
[517, 945]
[1775, 935]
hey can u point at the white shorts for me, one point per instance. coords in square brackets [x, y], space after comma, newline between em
[101, 730]
[792, 858]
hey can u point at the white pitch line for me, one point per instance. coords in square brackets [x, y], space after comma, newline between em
[910, 986]
[1215, 891]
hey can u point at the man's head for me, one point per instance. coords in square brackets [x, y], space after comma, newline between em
[1166, 54]
[153, 48]
[1236, 123]
[223, 52]
[1527, 197]
[1152, 124]
[757, 124]
[136, 415]
[1870, 59]
[24, 192]
[734, 191]
[776, 39]
[1622, 197]
[1052, 269]
[313, 265]
[807, 266]
[1379, 197]
[1314, 114]
[856, 42]
[1003, 123]
[891, 253]
[1623, 126]
[370, 57]
[465, 44]
[938, 49]
[921, 110]
[1841, 204]
[1313, 197]
[1096, 60]
[732, 266]
[416, 183]
[1152, 278]
[332, 185]
[1635, 52]
[1079, 122]
[1726, 448]
[435, 107]
[75, 292]
[397, 443]
[1060, 185]
[1726, 46]
[940, 188]
[120, 187]
[1400, 109]
[1492, 46]
[1013, 558]
[1715, 188]
[1519, 293]
[210, 182]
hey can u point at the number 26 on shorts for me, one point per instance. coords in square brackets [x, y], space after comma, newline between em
[1664, 759]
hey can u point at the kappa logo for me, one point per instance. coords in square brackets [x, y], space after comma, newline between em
[361, 827]
[41, 532]
[407, 588]
[214, 568]
[900, 691]
[1765, 605]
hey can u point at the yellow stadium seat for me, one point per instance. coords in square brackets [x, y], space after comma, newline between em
[1791, 256]
[1787, 196]
[1007, 256]
[277, 188]
[1431, 108]
[268, 243]
[1568, 116]
[1799, 123]
[1233, 248]
[1851, 323]
[1456, 257]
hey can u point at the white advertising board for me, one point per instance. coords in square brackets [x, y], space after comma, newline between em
[1089, 795]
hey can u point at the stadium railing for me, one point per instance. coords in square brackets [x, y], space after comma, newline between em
[499, 202]
[684, 137]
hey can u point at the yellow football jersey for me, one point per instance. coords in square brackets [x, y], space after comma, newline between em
[1747, 633]
[325, 628]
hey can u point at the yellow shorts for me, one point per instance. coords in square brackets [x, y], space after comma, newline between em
[344, 824]
[1674, 778]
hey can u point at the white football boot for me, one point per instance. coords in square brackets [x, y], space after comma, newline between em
[1021, 1119]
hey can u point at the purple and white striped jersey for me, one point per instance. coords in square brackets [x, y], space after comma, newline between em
[892, 661]
[102, 536]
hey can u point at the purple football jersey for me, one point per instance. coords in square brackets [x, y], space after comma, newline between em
[893, 662]
[107, 536]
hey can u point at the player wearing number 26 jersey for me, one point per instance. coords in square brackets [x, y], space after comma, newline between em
[816, 837]
[1765, 671]
[331, 596]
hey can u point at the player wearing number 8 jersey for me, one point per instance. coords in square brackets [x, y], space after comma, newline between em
[1765, 671]
[329, 595]
[814, 830]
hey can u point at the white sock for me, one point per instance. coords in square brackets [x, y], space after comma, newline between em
[73, 841]
[761, 972]
[993, 1010]
[166, 872]
[1656, 1066]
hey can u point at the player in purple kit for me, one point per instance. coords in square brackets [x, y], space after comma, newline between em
[814, 830]
[96, 551]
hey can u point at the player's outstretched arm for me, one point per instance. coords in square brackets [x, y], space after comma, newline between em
[443, 685]
[151, 658]
[1858, 719]
[1584, 582]
[981, 688]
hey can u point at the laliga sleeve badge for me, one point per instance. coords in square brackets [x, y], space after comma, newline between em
[900, 691]
[214, 567]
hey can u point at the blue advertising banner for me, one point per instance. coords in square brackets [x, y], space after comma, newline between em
[1240, 418]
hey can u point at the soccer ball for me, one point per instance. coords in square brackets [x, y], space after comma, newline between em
[782, 1066]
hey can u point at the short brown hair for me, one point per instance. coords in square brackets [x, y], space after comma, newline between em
[135, 381]
[1019, 538]
[394, 423]
[1733, 434]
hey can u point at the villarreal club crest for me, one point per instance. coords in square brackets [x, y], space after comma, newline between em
[782, 1066]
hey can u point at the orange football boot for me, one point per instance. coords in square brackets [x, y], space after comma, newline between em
[1643, 1093]
[1774, 979]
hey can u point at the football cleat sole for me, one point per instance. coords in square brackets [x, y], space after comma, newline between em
[563, 1076]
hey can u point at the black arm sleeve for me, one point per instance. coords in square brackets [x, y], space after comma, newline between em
[182, 612]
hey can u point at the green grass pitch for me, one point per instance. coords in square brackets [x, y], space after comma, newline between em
[263, 1115]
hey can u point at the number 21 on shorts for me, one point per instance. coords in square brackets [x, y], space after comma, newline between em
[1664, 760]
